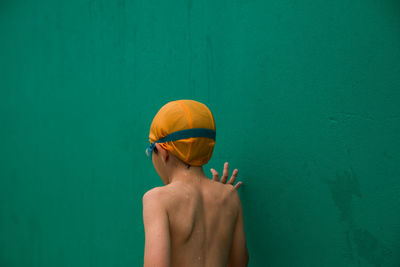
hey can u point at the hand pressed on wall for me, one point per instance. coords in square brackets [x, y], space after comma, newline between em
[225, 174]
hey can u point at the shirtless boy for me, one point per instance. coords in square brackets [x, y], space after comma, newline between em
[192, 221]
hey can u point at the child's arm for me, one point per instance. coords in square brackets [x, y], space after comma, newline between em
[238, 255]
[156, 226]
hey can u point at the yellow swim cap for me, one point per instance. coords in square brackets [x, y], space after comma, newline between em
[179, 115]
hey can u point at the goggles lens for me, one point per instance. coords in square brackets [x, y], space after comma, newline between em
[149, 149]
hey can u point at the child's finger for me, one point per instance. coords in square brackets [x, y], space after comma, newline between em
[225, 173]
[215, 175]
[233, 177]
[239, 184]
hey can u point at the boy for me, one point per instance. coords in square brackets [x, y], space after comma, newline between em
[192, 220]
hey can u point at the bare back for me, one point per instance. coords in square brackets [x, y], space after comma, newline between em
[202, 218]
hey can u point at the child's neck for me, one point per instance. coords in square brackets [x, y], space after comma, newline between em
[184, 174]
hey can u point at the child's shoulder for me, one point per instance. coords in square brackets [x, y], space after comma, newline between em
[154, 193]
[162, 198]
[162, 194]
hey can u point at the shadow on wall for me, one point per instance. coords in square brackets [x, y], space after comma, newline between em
[4, 6]
[7, 6]
[360, 242]
[263, 242]
[393, 11]
[266, 244]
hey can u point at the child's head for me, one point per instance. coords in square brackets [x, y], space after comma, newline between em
[185, 130]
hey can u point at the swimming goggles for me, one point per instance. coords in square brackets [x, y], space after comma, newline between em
[183, 134]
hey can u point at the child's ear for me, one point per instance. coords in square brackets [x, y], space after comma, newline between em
[164, 152]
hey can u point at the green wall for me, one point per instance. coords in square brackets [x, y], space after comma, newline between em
[306, 98]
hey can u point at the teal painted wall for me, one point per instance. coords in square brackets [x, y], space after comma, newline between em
[306, 98]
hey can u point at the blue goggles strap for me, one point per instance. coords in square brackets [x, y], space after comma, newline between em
[183, 134]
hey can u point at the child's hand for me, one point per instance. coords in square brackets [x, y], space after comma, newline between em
[224, 177]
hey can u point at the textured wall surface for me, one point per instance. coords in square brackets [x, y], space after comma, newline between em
[306, 98]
